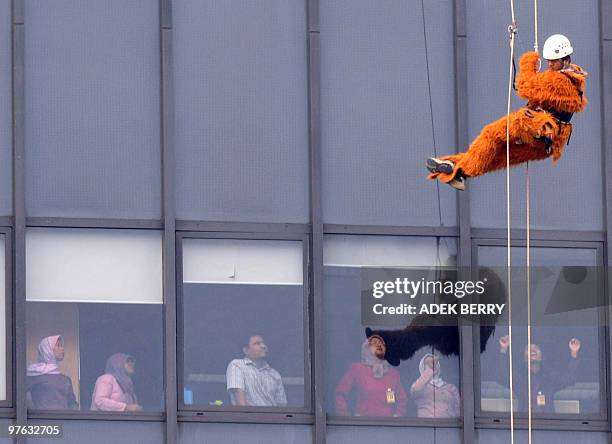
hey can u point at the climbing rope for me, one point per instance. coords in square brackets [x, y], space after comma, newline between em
[433, 136]
[433, 132]
[512, 31]
[528, 223]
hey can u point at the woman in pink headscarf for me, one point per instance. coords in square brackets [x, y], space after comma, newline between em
[48, 388]
[114, 390]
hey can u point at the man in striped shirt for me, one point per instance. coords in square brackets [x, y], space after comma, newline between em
[251, 381]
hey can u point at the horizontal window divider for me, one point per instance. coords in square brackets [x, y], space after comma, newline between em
[235, 235]
[291, 410]
[391, 230]
[521, 234]
[99, 416]
[246, 417]
[7, 412]
[6, 221]
[486, 416]
[545, 424]
[393, 422]
[61, 222]
[245, 227]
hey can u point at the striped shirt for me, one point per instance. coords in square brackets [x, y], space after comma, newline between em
[263, 386]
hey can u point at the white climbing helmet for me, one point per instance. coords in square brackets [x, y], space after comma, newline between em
[556, 47]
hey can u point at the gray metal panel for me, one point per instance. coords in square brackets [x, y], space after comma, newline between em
[4, 423]
[607, 114]
[606, 69]
[169, 212]
[19, 197]
[241, 110]
[375, 115]
[92, 109]
[104, 432]
[193, 433]
[541, 437]
[368, 435]
[6, 120]
[555, 189]
[315, 250]
[606, 19]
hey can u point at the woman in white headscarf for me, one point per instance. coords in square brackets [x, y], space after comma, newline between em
[434, 397]
[49, 389]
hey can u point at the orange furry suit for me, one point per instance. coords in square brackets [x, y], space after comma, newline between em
[537, 131]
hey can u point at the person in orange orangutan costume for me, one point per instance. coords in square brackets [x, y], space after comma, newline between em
[537, 131]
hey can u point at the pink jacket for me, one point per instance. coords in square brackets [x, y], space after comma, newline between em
[108, 395]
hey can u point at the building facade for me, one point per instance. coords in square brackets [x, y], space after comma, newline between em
[178, 177]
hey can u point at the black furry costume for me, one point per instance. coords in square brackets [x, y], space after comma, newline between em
[441, 331]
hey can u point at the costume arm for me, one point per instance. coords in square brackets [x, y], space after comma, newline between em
[548, 88]
[342, 390]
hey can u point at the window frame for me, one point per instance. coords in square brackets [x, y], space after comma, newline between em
[245, 414]
[406, 421]
[7, 404]
[148, 416]
[552, 421]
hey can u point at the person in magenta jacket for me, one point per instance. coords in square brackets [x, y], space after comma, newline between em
[114, 390]
[377, 386]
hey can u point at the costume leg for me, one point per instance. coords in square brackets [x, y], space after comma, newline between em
[488, 151]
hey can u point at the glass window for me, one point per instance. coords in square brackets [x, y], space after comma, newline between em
[243, 316]
[566, 345]
[94, 320]
[359, 383]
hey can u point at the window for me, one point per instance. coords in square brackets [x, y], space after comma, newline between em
[94, 320]
[357, 384]
[243, 325]
[567, 346]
